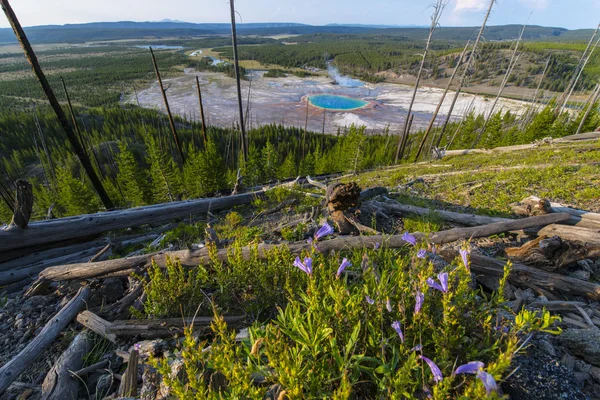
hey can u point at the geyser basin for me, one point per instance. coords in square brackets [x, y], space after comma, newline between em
[331, 102]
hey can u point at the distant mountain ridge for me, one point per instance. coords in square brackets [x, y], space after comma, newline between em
[98, 31]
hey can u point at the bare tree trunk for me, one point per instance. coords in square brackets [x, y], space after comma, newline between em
[37, 69]
[323, 133]
[237, 80]
[469, 63]
[305, 129]
[581, 72]
[435, 18]
[511, 66]
[404, 137]
[163, 91]
[201, 112]
[576, 74]
[437, 110]
[593, 101]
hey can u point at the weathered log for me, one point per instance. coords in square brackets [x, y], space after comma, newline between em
[59, 383]
[580, 218]
[15, 367]
[193, 258]
[495, 228]
[84, 225]
[550, 254]
[96, 324]
[8, 277]
[47, 255]
[23, 205]
[165, 328]
[373, 192]
[523, 275]
[573, 233]
[448, 216]
[129, 381]
[316, 183]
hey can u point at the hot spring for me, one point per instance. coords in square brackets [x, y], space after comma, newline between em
[332, 102]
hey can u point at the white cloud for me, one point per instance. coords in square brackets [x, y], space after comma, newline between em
[470, 5]
[536, 4]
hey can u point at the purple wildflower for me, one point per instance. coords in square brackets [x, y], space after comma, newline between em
[410, 239]
[437, 374]
[323, 231]
[305, 266]
[345, 263]
[465, 257]
[420, 297]
[369, 300]
[434, 249]
[422, 253]
[376, 245]
[137, 346]
[443, 285]
[388, 305]
[488, 381]
[396, 326]
[470, 368]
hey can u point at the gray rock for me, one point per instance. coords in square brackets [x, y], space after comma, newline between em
[147, 348]
[584, 343]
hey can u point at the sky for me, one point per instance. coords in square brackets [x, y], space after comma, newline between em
[571, 14]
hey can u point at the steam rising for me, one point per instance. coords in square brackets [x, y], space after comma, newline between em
[342, 80]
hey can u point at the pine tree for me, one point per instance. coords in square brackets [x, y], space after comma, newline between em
[541, 125]
[131, 178]
[203, 172]
[269, 161]
[253, 171]
[166, 176]
[288, 168]
[307, 166]
[75, 195]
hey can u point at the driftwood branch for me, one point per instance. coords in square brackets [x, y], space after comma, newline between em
[59, 383]
[165, 328]
[15, 367]
[128, 387]
[61, 229]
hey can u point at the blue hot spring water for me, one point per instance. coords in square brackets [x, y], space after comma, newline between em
[332, 102]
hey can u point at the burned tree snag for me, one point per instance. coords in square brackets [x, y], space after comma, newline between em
[23, 204]
[60, 114]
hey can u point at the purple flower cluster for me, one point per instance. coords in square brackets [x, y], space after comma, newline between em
[443, 285]
[398, 329]
[476, 368]
[323, 231]
[410, 239]
[305, 266]
[420, 298]
[435, 370]
[345, 263]
[464, 254]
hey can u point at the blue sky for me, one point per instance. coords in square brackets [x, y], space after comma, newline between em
[570, 14]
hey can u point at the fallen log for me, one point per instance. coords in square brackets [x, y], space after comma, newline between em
[59, 383]
[15, 367]
[573, 233]
[193, 258]
[524, 275]
[448, 216]
[15, 275]
[34, 258]
[495, 228]
[551, 253]
[165, 328]
[96, 324]
[91, 224]
[581, 218]
[92, 368]
[116, 309]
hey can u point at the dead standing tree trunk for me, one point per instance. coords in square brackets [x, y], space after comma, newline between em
[37, 69]
[467, 67]
[576, 74]
[201, 112]
[237, 80]
[593, 101]
[163, 91]
[511, 66]
[435, 18]
[439, 106]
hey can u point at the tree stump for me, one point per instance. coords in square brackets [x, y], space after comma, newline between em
[23, 204]
[340, 197]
